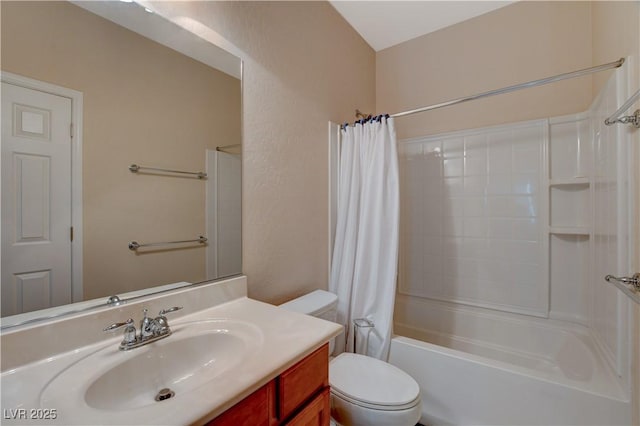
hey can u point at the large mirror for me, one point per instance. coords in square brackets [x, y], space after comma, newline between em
[121, 141]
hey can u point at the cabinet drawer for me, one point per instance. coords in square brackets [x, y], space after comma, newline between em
[303, 381]
[316, 413]
[255, 410]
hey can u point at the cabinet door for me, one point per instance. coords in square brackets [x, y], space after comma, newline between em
[316, 413]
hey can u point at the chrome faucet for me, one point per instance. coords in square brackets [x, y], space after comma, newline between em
[150, 329]
[146, 326]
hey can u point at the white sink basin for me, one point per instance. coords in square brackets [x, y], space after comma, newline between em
[195, 354]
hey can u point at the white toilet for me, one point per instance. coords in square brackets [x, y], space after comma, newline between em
[364, 391]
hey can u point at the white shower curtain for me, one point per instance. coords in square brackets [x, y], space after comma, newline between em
[365, 255]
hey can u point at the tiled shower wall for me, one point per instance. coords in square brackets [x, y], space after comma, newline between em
[474, 218]
[525, 218]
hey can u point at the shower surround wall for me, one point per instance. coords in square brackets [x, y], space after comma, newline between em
[524, 219]
[500, 217]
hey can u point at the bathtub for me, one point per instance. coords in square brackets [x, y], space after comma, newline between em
[482, 367]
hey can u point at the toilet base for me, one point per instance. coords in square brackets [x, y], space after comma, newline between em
[345, 413]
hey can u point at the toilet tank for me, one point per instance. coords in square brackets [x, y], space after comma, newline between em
[319, 304]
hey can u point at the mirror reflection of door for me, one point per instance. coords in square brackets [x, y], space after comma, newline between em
[36, 200]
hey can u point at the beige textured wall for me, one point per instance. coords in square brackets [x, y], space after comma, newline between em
[145, 104]
[616, 34]
[518, 43]
[303, 65]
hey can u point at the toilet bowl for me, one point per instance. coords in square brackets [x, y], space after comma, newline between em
[364, 391]
[367, 391]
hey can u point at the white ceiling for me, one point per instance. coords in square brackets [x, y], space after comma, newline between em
[386, 23]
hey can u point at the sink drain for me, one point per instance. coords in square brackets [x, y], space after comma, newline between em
[165, 393]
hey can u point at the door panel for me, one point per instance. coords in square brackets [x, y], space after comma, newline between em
[36, 200]
[31, 291]
[32, 184]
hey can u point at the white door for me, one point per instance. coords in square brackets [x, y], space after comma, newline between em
[36, 200]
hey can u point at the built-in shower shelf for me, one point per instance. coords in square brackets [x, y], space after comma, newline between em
[565, 230]
[569, 182]
[570, 207]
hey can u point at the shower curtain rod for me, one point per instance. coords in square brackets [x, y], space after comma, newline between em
[520, 86]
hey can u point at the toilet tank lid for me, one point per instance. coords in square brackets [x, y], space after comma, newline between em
[313, 303]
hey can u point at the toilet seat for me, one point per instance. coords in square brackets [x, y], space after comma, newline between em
[371, 383]
[370, 406]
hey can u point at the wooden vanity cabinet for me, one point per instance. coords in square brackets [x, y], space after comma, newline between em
[297, 397]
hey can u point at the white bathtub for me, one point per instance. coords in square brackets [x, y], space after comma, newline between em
[479, 367]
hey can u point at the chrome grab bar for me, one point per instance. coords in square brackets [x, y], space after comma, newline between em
[628, 285]
[134, 168]
[633, 119]
[134, 245]
[629, 281]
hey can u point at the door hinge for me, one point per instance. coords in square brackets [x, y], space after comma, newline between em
[71, 233]
[71, 130]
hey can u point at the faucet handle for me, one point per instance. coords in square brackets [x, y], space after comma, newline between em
[161, 323]
[117, 325]
[129, 332]
[163, 312]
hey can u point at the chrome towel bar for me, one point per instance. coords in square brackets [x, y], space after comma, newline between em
[230, 149]
[134, 245]
[134, 168]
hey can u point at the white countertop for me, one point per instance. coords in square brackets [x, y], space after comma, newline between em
[287, 338]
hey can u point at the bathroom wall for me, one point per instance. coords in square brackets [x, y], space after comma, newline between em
[517, 43]
[60, 43]
[615, 31]
[303, 66]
